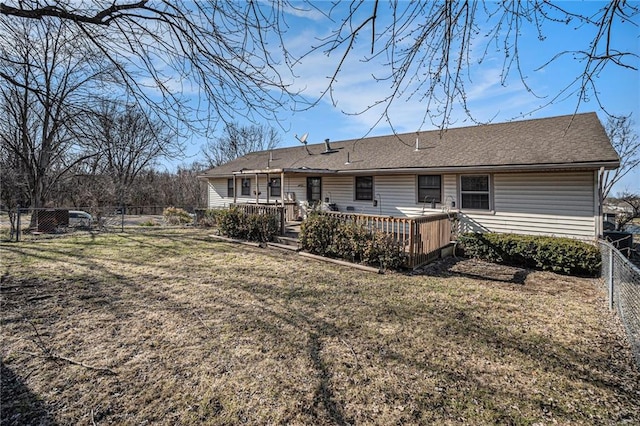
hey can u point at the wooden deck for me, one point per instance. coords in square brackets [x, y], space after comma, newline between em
[422, 237]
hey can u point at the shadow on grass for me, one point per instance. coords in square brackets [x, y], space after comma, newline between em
[324, 393]
[19, 405]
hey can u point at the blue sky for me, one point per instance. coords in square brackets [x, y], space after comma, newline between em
[488, 99]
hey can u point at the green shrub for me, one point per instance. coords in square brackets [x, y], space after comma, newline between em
[562, 255]
[317, 232]
[231, 223]
[234, 223]
[382, 250]
[261, 227]
[210, 217]
[326, 235]
[350, 241]
[176, 216]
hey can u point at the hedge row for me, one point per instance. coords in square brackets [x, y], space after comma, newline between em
[562, 255]
[328, 236]
[234, 223]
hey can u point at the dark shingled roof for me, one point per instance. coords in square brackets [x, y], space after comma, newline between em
[570, 141]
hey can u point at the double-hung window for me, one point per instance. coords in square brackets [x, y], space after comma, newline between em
[364, 188]
[246, 186]
[429, 189]
[274, 187]
[474, 191]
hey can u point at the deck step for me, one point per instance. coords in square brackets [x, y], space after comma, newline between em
[289, 241]
[284, 246]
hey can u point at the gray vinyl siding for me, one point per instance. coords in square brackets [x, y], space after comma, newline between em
[296, 187]
[393, 194]
[545, 203]
[217, 189]
[218, 192]
[559, 204]
[449, 191]
[396, 196]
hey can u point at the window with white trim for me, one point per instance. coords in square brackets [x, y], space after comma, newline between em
[474, 192]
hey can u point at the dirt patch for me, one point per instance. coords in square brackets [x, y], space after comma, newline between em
[474, 268]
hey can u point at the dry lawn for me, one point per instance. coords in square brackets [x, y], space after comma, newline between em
[171, 327]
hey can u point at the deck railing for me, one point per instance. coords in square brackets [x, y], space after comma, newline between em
[422, 237]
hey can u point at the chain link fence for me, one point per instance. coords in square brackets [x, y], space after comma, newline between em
[29, 223]
[622, 279]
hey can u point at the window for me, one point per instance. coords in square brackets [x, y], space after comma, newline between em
[246, 186]
[429, 189]
[274, 185]
[230, 188]
[364, 187]
[474, 191]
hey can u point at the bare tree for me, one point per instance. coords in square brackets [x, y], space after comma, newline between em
[128, 141]
[429, 47]
[238, 140]
[626, 143]
[51, 81]
[162, 48]
[227, 49]
[630, 209]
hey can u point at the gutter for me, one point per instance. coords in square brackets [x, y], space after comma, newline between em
[608, 165]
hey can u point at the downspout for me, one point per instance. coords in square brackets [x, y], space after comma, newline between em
[599, 201]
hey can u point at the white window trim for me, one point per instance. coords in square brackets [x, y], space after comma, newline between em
[489, 192]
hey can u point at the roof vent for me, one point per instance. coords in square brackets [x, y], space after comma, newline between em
[327, 147]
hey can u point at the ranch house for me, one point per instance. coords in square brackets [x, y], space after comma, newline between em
[538, 176]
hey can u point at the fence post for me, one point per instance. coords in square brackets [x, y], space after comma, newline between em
[18, 226]
[610, 278]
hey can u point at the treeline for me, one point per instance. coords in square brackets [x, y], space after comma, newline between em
[151, 187]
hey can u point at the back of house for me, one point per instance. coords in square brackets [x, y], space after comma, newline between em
[537, 177]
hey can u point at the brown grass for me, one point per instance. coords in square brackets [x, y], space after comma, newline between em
[204, 332]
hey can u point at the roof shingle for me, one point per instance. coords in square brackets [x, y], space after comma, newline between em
[569, 140]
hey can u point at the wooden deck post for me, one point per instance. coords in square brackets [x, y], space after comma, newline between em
[411, 242]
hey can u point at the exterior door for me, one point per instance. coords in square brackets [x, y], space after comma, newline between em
[314, 190]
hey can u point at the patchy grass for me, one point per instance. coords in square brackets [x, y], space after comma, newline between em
[170, 327]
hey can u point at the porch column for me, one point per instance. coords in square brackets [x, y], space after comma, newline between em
[235, 189]
[268, 188]
[282, 188]
[257, 190]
